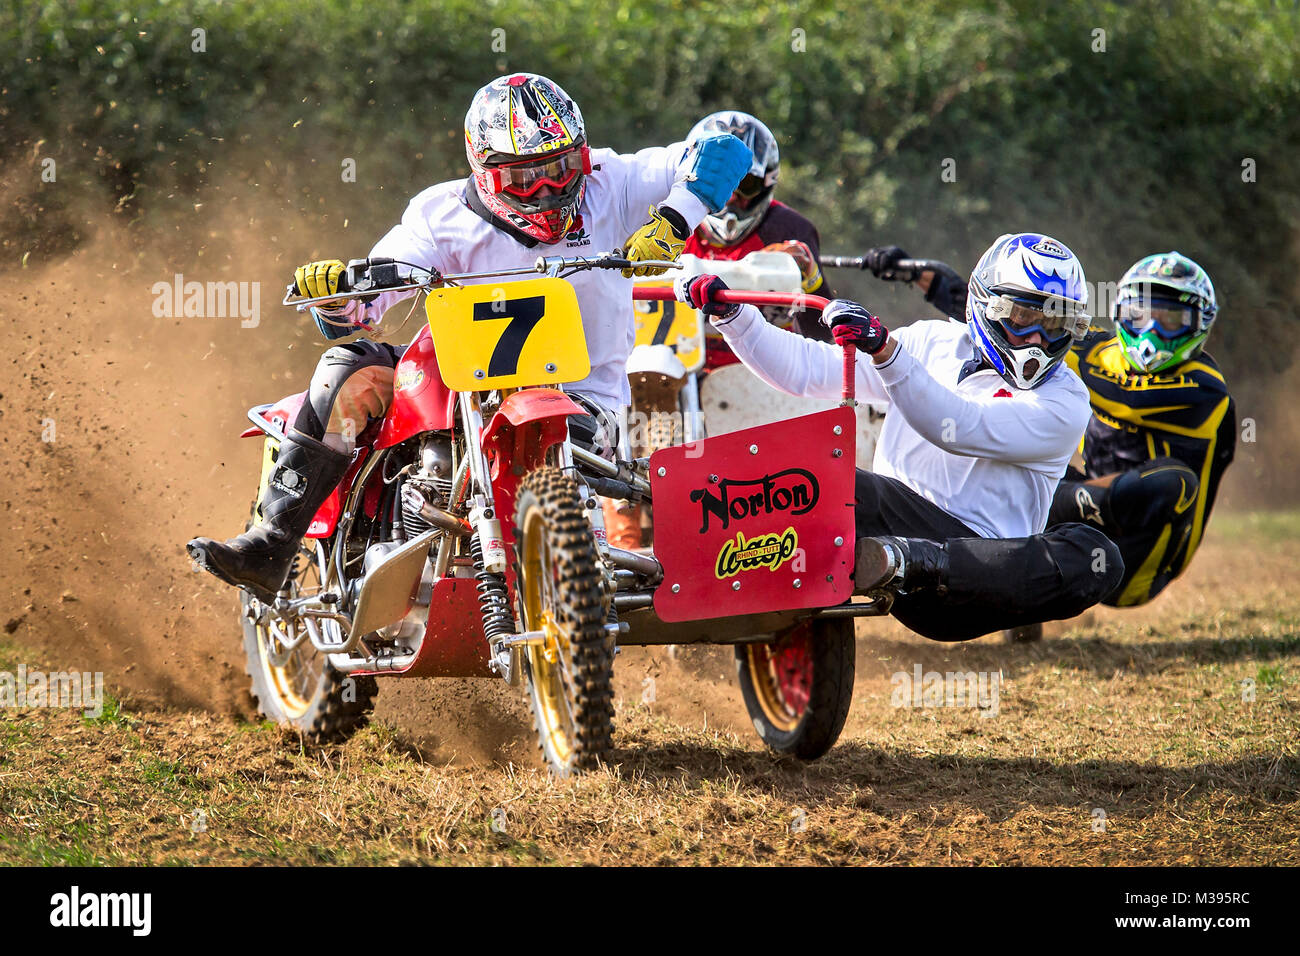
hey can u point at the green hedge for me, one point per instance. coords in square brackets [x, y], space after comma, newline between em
[1118, 153]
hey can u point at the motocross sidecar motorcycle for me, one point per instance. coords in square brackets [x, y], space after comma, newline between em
[466, 538]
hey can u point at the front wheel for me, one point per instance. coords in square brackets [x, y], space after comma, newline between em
[798, 688]
[569, 671]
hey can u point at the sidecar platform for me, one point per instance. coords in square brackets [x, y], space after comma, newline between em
[645, 628]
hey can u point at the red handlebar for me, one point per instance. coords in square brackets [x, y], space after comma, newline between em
[796, 300]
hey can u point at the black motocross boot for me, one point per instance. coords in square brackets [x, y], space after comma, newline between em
[304, 474]
[900, 564]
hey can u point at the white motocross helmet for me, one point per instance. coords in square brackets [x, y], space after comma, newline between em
[1027, 283]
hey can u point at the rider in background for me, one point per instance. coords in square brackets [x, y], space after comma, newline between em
[1163, 428]
[944, 288]
[754, 221]
[534, 183]
[751, 221]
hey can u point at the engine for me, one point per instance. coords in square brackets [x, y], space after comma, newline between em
[430, 484]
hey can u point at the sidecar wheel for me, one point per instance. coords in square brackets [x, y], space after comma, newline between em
[798, 688]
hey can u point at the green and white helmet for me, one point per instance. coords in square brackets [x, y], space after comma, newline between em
[1164, 307]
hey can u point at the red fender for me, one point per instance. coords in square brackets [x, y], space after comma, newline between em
[421, 401]
[527, 423]
[280, 414]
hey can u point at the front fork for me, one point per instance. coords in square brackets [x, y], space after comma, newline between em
[487, 544]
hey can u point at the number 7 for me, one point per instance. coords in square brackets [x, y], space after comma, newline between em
[524, 314]
[665, 323]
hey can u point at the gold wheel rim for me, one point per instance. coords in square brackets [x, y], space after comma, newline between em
[293, 681]
[762, 674]
[549, 663]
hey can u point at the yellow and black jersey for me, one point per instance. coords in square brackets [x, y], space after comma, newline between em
[1184, 413]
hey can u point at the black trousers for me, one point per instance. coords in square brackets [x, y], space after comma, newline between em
[336, 366]
[993, 584]
[1148, 512]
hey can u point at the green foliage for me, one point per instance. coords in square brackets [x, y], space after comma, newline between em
[1119, 153]
[1270, 676]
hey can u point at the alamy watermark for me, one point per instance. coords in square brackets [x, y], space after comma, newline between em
[978, 689]
[133, 911]
[75, 689]
[209, 300]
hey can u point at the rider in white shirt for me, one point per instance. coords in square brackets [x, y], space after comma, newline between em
[535, 181]
[984, 417]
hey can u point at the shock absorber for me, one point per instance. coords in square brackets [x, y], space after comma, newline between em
[493, 602]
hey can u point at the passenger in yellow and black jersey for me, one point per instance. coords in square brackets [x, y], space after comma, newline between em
[1163, 428]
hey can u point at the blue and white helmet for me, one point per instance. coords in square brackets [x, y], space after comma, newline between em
[1025, 283]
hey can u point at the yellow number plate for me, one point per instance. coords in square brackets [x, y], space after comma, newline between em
[508, 335]
[269, 447]
[672, 324]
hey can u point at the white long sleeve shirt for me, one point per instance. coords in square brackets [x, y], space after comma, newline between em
[988, 454]
[439, 231]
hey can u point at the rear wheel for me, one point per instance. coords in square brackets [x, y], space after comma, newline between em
[295, 686]
[561, 594]
[798, 688]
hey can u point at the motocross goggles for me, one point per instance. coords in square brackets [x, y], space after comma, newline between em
[1054, 320]
[523, 179]
[751, 190]
[1168, 318]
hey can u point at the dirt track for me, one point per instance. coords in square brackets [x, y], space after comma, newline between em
[1141, 717]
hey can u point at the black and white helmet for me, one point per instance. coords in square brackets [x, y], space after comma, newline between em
[748, 204]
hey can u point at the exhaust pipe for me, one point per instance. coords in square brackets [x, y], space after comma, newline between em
[438, 517]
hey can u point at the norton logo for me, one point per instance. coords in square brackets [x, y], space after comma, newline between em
[793, 490]
[578, 237]
[75, 909]
[745, 554]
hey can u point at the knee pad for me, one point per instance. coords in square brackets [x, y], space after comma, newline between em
[1159, 493]
[1101, 556]
[336, 365]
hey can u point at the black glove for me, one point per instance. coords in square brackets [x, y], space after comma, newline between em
[882, 259]
[948, 293]
[851, 324]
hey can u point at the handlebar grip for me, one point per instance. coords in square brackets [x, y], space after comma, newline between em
[790, 300]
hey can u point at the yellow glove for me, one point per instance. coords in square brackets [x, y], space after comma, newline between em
[663, 237]
[316, 279]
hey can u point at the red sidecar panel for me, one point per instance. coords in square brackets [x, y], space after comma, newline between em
[747, 522]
